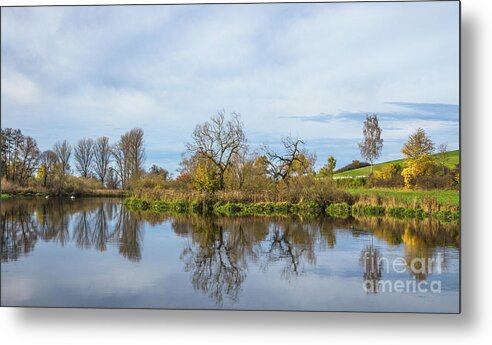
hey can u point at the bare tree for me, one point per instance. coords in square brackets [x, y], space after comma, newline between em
[135, 140]
[280, 165]
[102, 158]
[84, 156]
[441, 159]
[159, 171]
[12, 140]
[129, 156]
[19, 155]
[63, 151]
[372, 144]
[442, 148]
[48, 161]
[28, 159]
[111, 179]
[218, 142]
[120, 172]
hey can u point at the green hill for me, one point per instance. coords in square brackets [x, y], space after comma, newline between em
[452, 158]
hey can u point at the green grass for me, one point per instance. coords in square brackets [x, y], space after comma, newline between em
[452, 158]
[304, 209]
[444, 197]
[4, 196]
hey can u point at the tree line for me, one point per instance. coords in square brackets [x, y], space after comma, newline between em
[217, 158]
[113, 165]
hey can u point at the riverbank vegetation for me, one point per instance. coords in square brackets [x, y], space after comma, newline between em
[303, 209]
[221, 173]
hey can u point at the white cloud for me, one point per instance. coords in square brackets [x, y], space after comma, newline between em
[166, 68]
[19, 89]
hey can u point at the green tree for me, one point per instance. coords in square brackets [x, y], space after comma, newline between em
[332, 163]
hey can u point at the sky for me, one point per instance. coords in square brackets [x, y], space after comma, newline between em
[312, 71]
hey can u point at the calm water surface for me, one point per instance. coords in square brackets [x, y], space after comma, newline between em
[96, 253]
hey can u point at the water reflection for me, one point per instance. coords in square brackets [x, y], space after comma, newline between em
[216, 258]
[87, 223]
[218, 252]
[372, 264]
[19, 232]
[291, 244]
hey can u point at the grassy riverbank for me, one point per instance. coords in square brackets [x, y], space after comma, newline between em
[443, 197]
[304, 208]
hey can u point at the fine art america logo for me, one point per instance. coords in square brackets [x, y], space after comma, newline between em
[374, 264]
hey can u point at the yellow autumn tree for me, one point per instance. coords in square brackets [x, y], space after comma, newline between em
[418, 160]
[388, 171]
[205, 177]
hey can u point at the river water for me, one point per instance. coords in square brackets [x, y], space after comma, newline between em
[96, 253]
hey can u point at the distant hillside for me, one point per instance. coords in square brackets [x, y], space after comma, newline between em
[452, 158]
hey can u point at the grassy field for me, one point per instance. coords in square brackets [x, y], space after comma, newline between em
[444, 197]
[452, 158]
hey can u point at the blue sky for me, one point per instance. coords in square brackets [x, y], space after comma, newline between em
[309, 70]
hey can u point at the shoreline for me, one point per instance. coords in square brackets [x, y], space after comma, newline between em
[40, 194]
[304, 208]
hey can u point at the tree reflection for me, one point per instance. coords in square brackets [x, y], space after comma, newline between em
[128, 233]
[88, 223]
[83, 231]
[219, 250]
[19, 232]
[372, 267]
[52, 218]
[100, 235]
[216, 258]
[289, 243]
[422, 241]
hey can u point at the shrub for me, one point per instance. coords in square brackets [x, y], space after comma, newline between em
[137, 203]
[338, 210]
[309, 208]
[435, 182]
[389, 176]
[388, 171]
[149, 181]
[402, 213]
[416, 167]
[393, 182]
[325, 192]
[80, 185]
[355, 182]
[446, 216]
[359, 210]
[229, 208]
